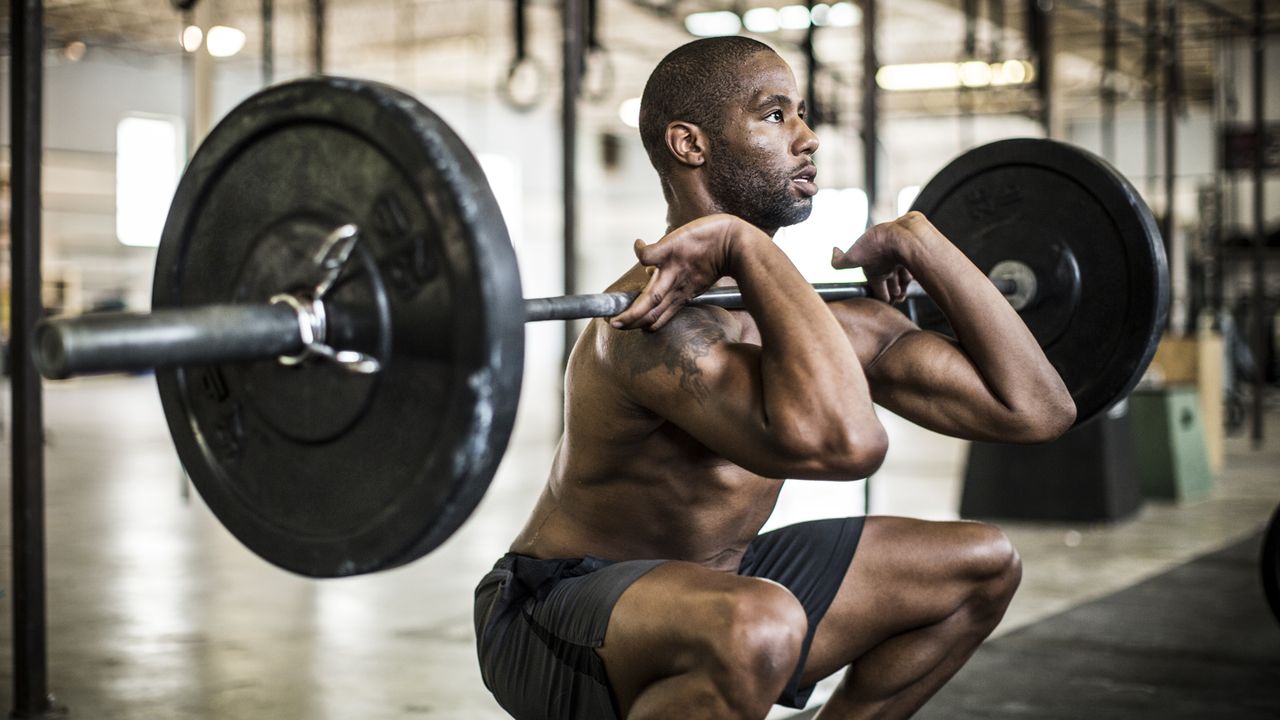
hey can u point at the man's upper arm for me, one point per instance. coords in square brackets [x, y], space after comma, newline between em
[925, 377]
[695, 374]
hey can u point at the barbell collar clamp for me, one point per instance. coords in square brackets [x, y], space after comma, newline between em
[313, 332]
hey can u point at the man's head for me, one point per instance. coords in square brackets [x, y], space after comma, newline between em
[722, 119]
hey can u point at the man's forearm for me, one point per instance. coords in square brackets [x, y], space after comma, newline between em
[987, 327]
[812, 379]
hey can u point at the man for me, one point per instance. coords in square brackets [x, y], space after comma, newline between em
[639, 587]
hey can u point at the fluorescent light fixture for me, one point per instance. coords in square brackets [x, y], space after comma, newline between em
[843, 14]
[975, 73]
[713, 24]
[797, 17]
[937, 76]
[918, 76]
[1011, 72]
[225, 41]
[761, 20]
[820, 14]
[148, 156]
[629, 112]
[793, 17]
[190, 38]
[906, 196]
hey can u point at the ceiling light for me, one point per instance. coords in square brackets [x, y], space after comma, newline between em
[1015, 71]
[712, 24]
[844, 14]
[629, 112]
[937, 76]
[821, 13]
[793, 17]
[761, 20]
[225, 41]
[918, 76]
[190, 38]
[975, 73]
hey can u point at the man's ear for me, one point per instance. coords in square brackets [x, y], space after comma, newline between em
[687, 143]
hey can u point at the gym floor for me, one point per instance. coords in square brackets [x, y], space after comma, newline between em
[155, 611]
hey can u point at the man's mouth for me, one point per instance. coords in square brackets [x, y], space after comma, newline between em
[804, 180]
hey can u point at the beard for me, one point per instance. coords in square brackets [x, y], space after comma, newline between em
[764, 198]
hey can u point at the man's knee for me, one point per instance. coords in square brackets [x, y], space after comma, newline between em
[753, 645]
[992, 564]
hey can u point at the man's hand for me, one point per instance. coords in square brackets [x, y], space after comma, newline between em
[879, 253]
[684, 263]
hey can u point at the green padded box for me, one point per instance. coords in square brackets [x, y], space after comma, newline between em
[1172, 461]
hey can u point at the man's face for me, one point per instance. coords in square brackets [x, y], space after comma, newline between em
[761, 167]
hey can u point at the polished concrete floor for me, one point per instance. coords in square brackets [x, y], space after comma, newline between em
[155, 611]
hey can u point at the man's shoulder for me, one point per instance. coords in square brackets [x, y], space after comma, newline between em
[692, 331]
[673, 356]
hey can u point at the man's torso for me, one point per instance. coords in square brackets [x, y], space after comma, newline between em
[628, 484]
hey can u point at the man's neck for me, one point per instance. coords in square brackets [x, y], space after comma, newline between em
[679, 213]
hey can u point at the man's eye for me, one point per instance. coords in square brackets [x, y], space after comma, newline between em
[775, 115]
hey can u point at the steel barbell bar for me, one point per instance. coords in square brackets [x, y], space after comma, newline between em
[217, 333]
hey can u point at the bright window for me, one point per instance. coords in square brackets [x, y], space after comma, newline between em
[839, 217]
[149, 153]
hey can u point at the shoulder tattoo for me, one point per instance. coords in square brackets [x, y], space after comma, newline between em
[677, 347]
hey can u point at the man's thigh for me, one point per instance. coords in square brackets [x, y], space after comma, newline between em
[662, 624]
[538, 623]
[906, 574]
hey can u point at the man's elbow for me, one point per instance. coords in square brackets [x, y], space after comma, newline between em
[859, 453]
[1046, 423]
[832, 453]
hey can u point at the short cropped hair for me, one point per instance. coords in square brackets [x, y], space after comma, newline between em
[693, 83]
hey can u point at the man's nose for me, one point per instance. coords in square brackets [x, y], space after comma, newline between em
[806, 142]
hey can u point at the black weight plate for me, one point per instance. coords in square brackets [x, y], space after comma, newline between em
[320, 471]
[1271, 564]
[1103, 283]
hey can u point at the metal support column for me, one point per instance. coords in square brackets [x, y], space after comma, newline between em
[870, 108]
[1259, 217]
[317, 36]
[268, 38]
[969, 46]
[30, 637]
[1040, 38]
[812, 103]
[571, 45]
[1110, 63]
[1172, 99]
[1150, 62]
[1221, 80]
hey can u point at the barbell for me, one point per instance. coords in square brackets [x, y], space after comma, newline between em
[337, 322]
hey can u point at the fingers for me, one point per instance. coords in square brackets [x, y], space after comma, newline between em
[670, 312]
[904, 280]
[878, 289]
[892, 289]
[651, 255]
[648, 305]
[845, 259]
[840, 260]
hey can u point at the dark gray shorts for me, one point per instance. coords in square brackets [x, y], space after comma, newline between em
[538, 622]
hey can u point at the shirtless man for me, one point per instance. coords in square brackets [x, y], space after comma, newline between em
[640, 587]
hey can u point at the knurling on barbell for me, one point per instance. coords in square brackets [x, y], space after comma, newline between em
[328, 472]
